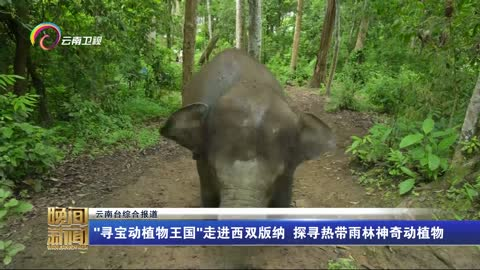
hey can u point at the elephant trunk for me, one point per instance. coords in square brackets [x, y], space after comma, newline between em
[239, 257]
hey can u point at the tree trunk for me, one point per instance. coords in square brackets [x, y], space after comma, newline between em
[244, 27]
[362, 31]
[4, 58]
[169, 37]
[37, 82]
[22, 47]
[296, 35]
[320, 72]
[362, 34]
[238, 24]
[170, 24]
[189, 34]
[177, 7]
[255, 28]
[461, 168]
[449, 9]
[471, 117]
[337, 46]
[206, 53]
[209, 15]
[352, 28]
[152, 36]
[279, 15]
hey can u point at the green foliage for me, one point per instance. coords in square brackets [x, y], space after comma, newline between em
[97, 96]
[279, 67]
[372, 148]
[6, 80]
[343, 96]
[27, 150]
[10, 208]
[389, 94]
[406, 185]
[142, 109]
[342, 263]
[465, 199]
[162, 72]
[147, 137]
[91, 129]
[406, 154]
[429, 151]
[472, 146]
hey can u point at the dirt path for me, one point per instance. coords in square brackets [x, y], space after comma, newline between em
[166, 177]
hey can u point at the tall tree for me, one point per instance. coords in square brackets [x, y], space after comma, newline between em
[206, 53]
[22, 46]
[471, 116]
[189, 34]
[37, 82]
[170, 8]
[362, 31]
[469, 129]
[296, 35]
[244, 10]
[255, 28]
[337, 46]
[177, 7]
[238, 24]
[209, 15]
[353, 28]
[320, 71]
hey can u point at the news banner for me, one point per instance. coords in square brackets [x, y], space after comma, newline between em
[76, 228]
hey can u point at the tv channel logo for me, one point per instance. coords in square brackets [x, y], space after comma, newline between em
[47, 43]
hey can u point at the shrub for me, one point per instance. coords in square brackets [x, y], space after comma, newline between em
[27, 149]
[408, 153]
[147, 137]
[372, 147]
[342, 263]
[390, 94]
[343, 95]
[465, 199]
[89, 125]
[471, 147]
[10, 207]
[23, 152]
[280, 69]
[142, 109]
[91, 129]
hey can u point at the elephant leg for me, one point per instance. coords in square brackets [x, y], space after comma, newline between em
[208, 187]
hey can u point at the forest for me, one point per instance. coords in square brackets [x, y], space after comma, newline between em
[410, 68]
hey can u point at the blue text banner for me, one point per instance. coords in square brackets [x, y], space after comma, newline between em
[283, 232]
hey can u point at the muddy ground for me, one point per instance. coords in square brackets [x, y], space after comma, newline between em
[165, 176]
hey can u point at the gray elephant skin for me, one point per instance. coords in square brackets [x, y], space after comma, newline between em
[245, 138]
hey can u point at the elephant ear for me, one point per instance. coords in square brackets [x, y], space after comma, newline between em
[185, 126]
[316, 137]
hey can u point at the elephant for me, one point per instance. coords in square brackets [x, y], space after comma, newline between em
[246, 140]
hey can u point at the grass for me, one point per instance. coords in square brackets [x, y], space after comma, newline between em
[141, 109]
[98, 133]
[342, 263]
